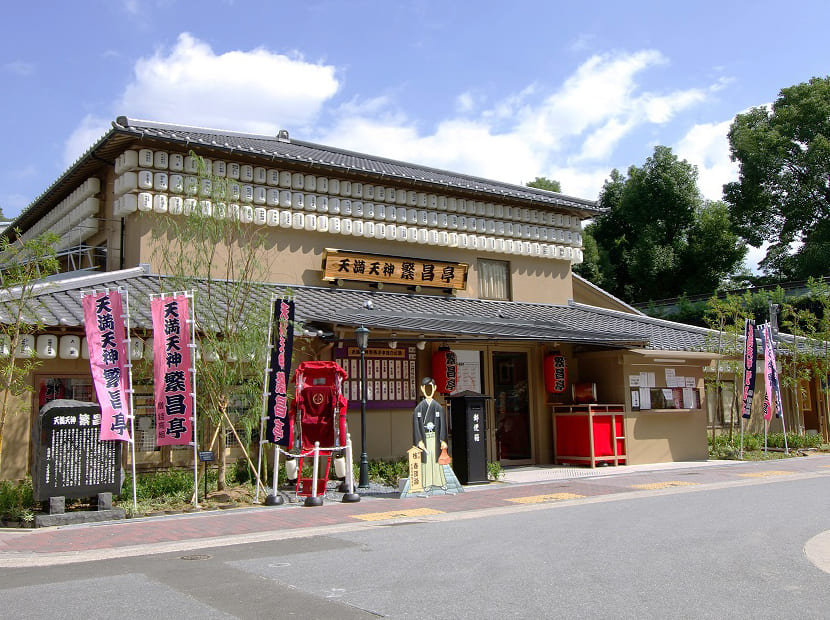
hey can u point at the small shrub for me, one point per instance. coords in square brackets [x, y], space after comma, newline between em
[495, 471]
[17, 502]
[721, 448]
[388, 472]
[241, 472]
[171, 484]
[753, 441]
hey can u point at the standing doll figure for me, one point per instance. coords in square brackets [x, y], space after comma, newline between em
[429, 433]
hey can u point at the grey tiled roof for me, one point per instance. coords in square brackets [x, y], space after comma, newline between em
[298, 151]
[272, 151]
[59, 304]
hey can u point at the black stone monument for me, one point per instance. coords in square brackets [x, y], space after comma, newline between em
[70, 459]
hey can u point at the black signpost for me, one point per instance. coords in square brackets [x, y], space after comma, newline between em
[469, 439]
[206, 456]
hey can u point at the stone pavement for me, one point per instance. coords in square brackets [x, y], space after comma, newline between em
[524, 488]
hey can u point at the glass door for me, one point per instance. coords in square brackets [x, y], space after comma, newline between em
[512, 407]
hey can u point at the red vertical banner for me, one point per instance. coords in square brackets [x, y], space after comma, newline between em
[556, 373]
[750, 364]
[171, 370]
[445, 370]
[105, 333]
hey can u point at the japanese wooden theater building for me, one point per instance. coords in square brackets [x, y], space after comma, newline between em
[428, 260]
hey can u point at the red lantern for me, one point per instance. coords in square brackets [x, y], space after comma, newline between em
[556, 373]
[445, 370]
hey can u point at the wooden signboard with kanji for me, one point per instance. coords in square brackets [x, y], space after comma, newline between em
[346, 265]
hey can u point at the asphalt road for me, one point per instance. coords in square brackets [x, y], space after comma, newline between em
[723, 551]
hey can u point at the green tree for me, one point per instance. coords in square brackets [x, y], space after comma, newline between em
[545, 183]
[726, 316]
[589, 267]
[208, 248]
[782, 195]
[23, 265]
[658, 237]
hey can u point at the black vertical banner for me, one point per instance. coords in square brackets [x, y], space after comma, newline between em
[750, 357]
[282, 335]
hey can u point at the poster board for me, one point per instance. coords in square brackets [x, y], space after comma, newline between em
[469, 371]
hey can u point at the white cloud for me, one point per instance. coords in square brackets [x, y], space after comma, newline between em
[568, 131]
[91, 129]
[755, 256]
[19, 67]
[257, 91]
[706, 145]
[465, 103]
[584, 182]
[601, 88]
[13, 204]
[583, 42]
[600, 144]
[661, 109]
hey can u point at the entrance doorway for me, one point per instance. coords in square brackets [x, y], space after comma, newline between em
[512, 407]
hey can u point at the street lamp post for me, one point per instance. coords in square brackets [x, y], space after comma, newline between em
[361, 334]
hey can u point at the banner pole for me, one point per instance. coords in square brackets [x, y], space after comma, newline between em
[276, 468]
[262, 417]
[315, 469]
[190, 295]
[778, 403]
[349, 464]
[741, 454]
[128, 344]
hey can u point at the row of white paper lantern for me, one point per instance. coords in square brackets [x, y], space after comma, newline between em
[67, 211]
[258, 195]
[71, 347]
[360, 228]
[161, 203]
[257, 175]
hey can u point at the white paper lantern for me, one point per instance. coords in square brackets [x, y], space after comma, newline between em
[136, 348]
[47, 346]
[25, 346]
[210, 354]
[175, 162]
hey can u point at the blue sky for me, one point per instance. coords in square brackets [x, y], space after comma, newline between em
[506, 90]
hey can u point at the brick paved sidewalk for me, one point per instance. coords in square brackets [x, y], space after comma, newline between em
[201, 530]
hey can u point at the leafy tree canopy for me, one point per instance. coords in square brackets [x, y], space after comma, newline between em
[545, 183]
[658, 237]
[783, 194]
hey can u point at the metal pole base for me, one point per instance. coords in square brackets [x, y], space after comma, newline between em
[350, 498]
[363, 481]
[313, 501]
[274, 500]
